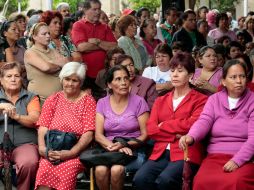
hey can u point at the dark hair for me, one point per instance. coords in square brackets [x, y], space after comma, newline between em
[203, 50]
[163, 48]
[229, 64]
[249, 66]
[184, 59]
[66, 24]
[9, 66]
[30, 12]
[234, 44]
[5, 27]
[47, 16]
[222, 38]
[219, 17]
[77, 15]
[200, 8]
[201, 21]
[111, 72]
[139, 12]
[143, 25]
[168, 11]
[87, 3]
[219, 49]
[178, 45]
[110, 54]
[122, 58]
[124, 22]
[186, 14]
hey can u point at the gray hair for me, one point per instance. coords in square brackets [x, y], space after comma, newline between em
[61, 5]
[73, 68]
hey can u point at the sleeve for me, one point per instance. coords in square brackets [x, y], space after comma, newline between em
[47, 112]
[123, 43]
[246, 151]
[89, 116]
[153, 130]
[99, 107]
[142, 107]
[34, 105]
[151, 95]
[78, 34]
[183, 125]
[146, 73]
[109, 35]
[205, 122]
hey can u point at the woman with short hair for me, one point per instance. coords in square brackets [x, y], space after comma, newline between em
[71, 110]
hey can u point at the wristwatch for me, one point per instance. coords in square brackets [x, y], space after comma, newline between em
[98, 41]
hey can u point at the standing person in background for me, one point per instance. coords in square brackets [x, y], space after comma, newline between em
[130, 44]
[58, 41]
[64, 9]
[93, 39]
[20, 19]
[188, 34]
[201, 13]
[141, 15]
[42, 63]
[168, 27]
[249, 29]
[148, 32]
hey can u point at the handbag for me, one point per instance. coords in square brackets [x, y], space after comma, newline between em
[58, 140]
[99, 156]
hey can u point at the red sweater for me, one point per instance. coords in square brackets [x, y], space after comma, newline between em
[175, 122]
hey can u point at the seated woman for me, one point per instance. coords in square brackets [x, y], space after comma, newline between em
[160, 74]
[141, 86]
[42, 63]
[61, 43]
[227, 122]
[172, 115]
[71, 110]
[120, 114]
[208, 77]
[23, 109]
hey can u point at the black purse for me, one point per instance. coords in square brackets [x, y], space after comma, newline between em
[97, 155]
[58, 140]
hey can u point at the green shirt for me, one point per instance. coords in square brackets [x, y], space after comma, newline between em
[193, 38]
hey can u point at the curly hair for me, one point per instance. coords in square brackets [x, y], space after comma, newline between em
[48, 16]
[124, 22]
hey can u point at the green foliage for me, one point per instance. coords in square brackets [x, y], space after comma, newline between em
[13, 6]
[152, 5]
[224, 5]
[73, 4]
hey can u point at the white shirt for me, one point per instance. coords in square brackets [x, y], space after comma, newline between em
[232, 102]
[176, 102]
[156, 75]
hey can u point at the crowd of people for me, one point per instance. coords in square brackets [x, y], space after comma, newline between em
[181, 82]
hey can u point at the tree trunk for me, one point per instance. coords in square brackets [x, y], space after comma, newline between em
[192, 4]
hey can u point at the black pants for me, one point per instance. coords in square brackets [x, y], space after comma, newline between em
[161, 174]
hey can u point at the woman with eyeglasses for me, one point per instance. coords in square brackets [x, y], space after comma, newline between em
[227, 125]
[208, 77]
[131, 45]
[172, 115]
[42, 63]
[160, 73]
[141, 86]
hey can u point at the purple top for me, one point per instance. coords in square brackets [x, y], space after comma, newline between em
[124, 124]
[216, 33]
[214, 79]
[230, 131]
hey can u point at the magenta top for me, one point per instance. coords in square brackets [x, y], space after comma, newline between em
[150, 47]
[214, 79]
[216, 33]
[229, 131]
[124, 124]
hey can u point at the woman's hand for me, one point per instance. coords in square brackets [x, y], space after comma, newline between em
[230, 166]
[60, 155]
[10, 109]
[114, 147]
[42, 151]
[126, 150]
[184, 141]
